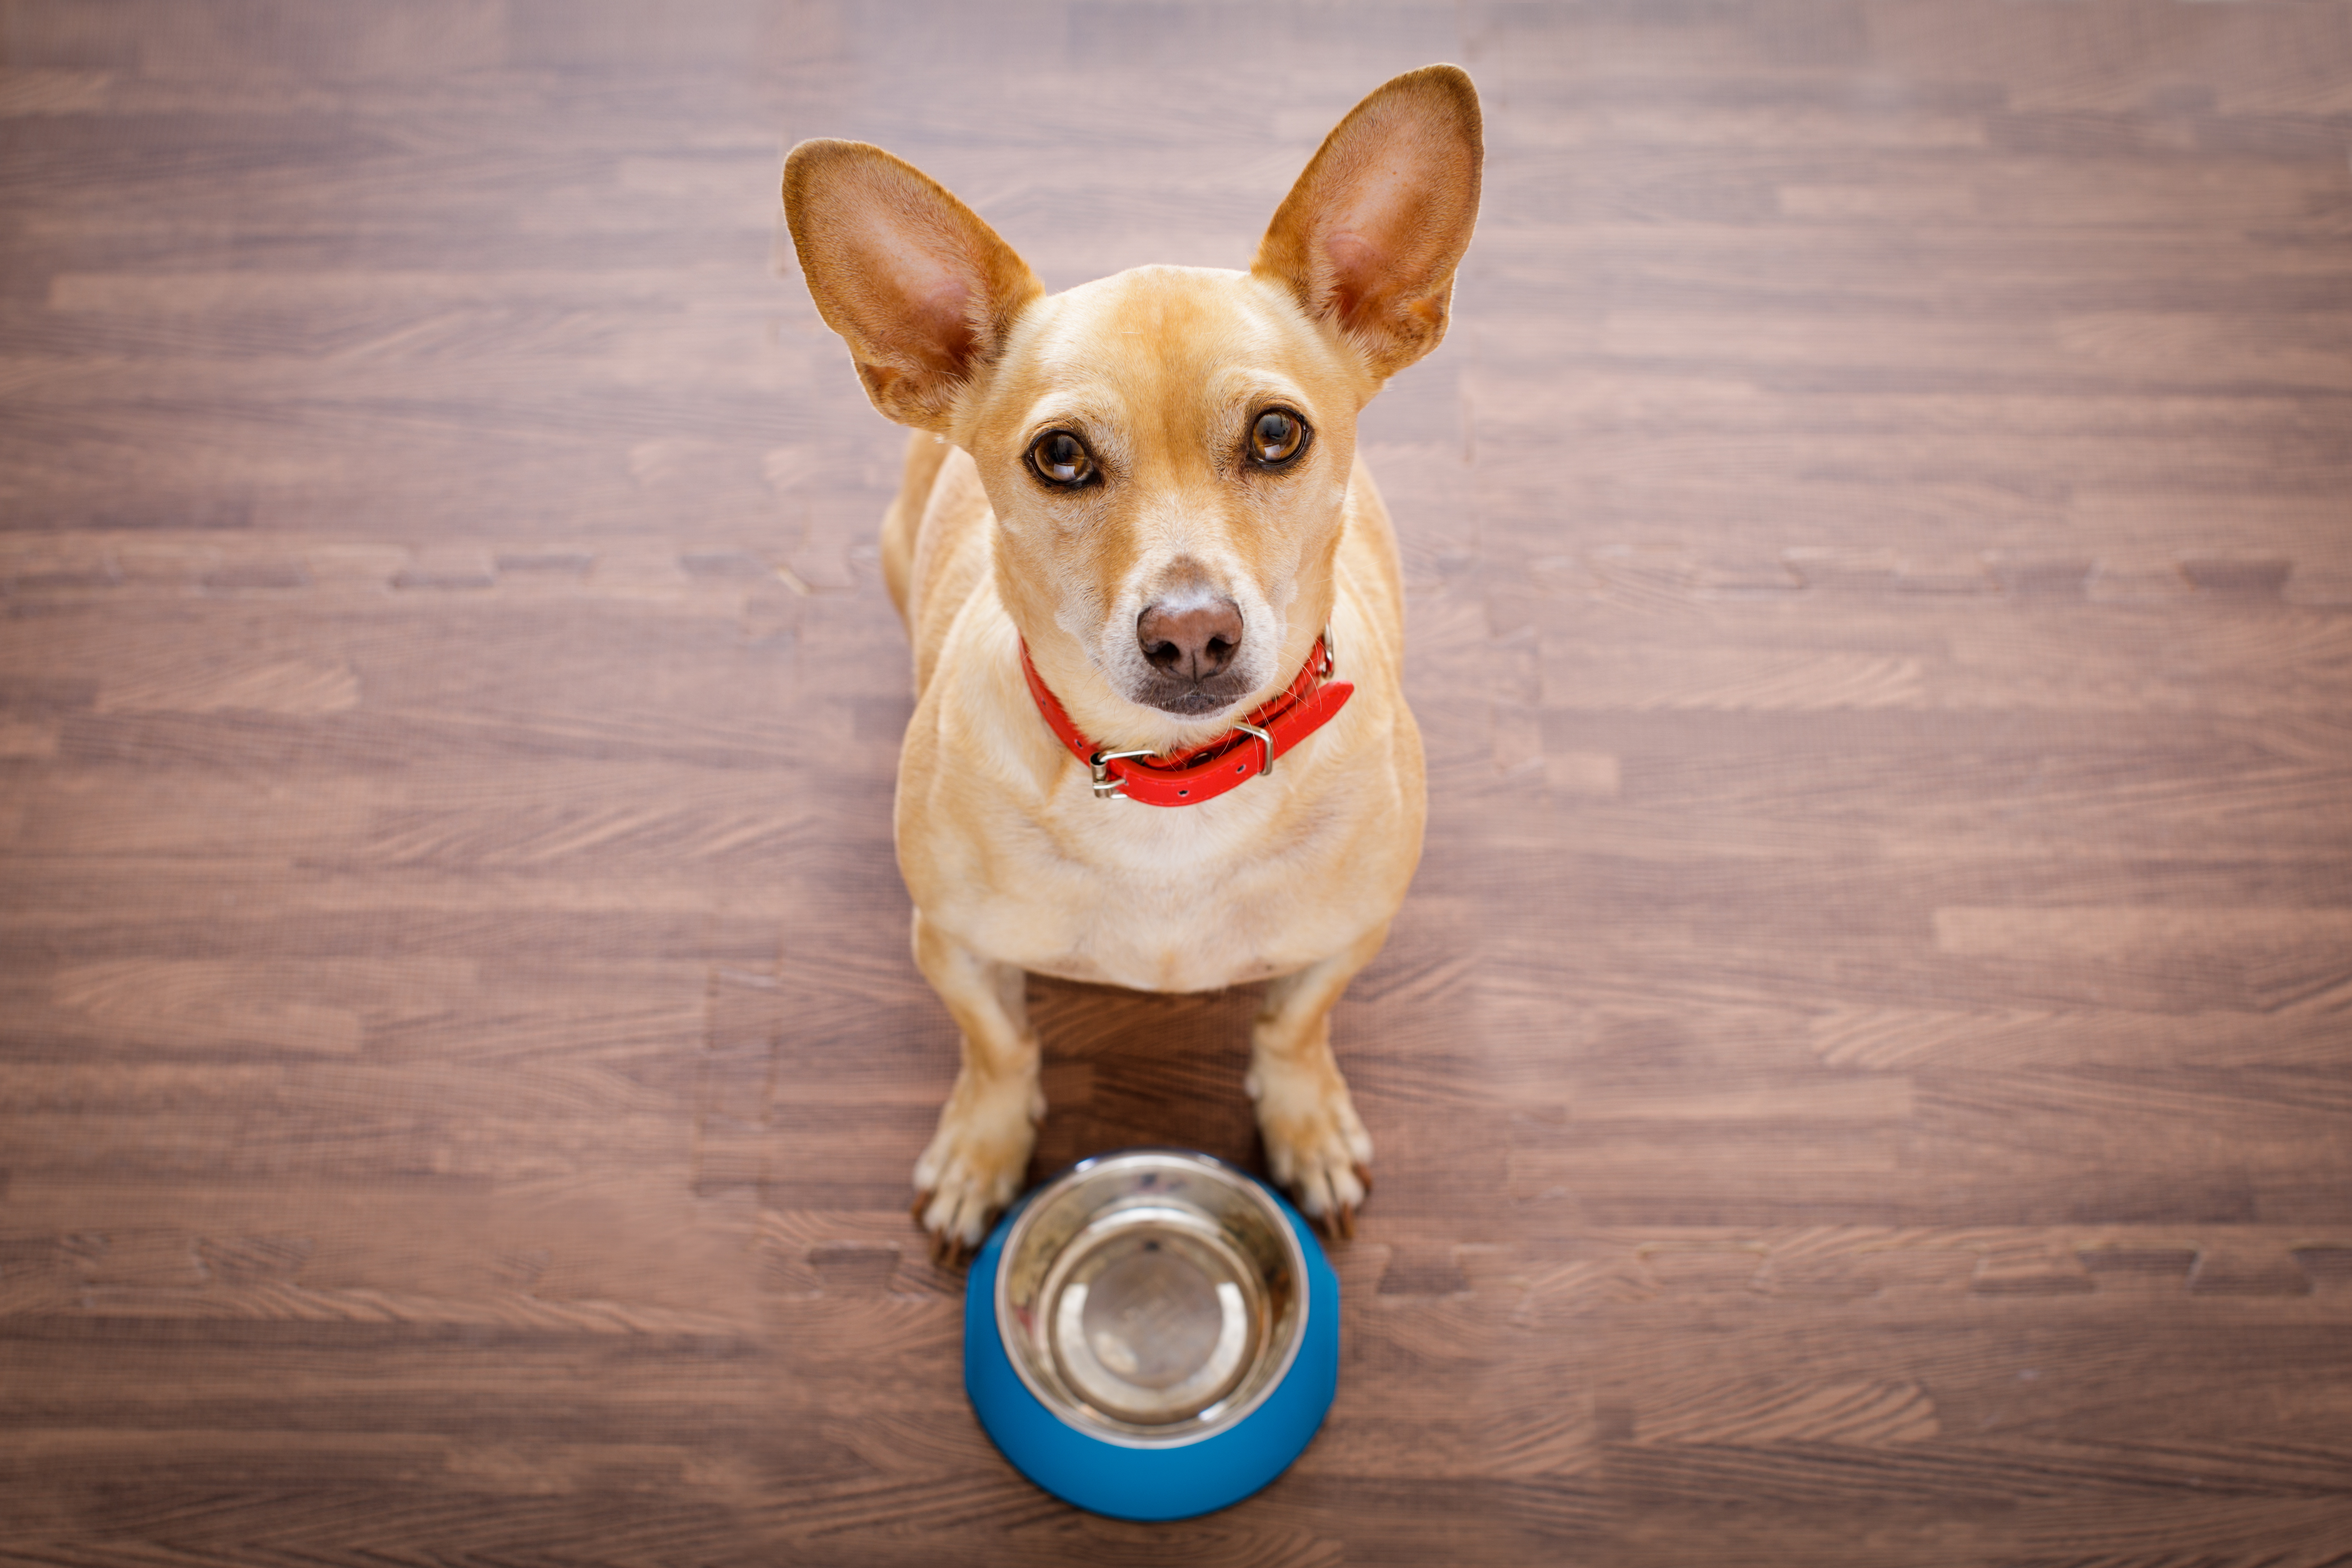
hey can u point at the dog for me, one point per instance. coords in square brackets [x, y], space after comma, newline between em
[1159, 739]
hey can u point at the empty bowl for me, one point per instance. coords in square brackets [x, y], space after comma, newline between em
[1153, 1334]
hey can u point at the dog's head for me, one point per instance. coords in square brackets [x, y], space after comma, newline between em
[1168, 451]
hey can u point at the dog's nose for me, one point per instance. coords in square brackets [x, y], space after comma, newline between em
[1193, 642]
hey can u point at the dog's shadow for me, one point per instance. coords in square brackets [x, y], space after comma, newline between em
[1125, 1068]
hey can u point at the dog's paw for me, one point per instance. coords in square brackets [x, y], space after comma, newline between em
[1314, 1143]
[974, 1165]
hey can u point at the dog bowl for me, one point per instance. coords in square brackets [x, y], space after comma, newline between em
[1151, 1335]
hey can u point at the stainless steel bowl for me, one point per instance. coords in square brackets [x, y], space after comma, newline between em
[1152, 1298]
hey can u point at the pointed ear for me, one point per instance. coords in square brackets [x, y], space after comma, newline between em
[923, 291]
[1370, 235]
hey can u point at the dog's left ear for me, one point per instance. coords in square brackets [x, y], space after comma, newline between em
[1370, 237]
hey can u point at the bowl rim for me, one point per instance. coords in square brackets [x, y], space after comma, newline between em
[1055, 1402]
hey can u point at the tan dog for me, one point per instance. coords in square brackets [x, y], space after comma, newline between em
[1150, 483]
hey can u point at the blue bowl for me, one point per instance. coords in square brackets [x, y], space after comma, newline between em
[1207, 1362]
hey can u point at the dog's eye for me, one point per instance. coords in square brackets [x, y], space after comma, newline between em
[1277, 437]
[1061, 458]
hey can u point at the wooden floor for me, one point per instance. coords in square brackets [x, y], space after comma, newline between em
[1863, 1077]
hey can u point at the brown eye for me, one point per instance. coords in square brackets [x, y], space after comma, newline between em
[1061, 458]
[1277, 437]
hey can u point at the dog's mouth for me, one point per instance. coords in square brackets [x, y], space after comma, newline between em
[1192, 699]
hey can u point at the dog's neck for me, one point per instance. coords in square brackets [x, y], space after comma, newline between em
[1248, 750]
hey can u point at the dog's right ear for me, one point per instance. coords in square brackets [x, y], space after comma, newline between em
[922, 291]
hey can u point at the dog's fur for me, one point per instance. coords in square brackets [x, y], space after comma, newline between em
[1162, 372]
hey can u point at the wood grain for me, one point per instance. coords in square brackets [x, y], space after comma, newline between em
[1861, 1078]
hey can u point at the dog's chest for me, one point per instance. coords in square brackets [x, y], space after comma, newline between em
[1191, 898]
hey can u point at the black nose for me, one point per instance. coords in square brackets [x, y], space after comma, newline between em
[1191, 644]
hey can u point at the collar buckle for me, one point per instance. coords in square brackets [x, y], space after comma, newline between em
[1108, 786]
[1266, 739]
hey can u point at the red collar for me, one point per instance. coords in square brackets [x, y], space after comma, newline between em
[1233, 759]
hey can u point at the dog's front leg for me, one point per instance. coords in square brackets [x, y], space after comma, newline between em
[976, 1159]
[1314, 1142]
